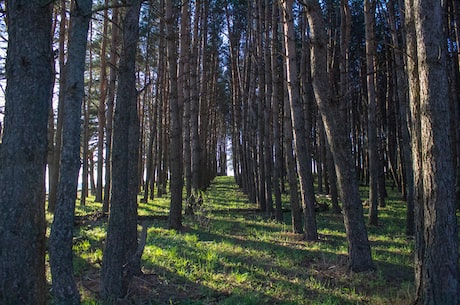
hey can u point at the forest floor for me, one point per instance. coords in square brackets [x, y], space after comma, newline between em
[228, 253]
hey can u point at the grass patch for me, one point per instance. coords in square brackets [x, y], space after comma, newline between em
[227, 255]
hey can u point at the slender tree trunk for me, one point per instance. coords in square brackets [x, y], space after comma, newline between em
[101, 107]
[268, 146]
[369, 8]
[115, 38]
[301, 146]
[85, 153]
[276, 98]
[29, 77]
[404, 121]
[120, 262]
[184, 75]
[65, 290]
[176, 180]
[54, 166]
[333, 113]
[195, 106]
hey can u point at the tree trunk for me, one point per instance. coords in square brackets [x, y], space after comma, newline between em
[54, 164]
[276, 110]
[185, 84]
[369, 8]
[436, 239]
[65, 290]
[333, 113]
[195, 108]
[110, 105]
[175, 212]
[23, 152]
[301, 146]
[85, 153]
[101, 107]
[119, 263]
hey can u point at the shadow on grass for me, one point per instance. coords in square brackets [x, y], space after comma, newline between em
[246, 271]
[244, 258]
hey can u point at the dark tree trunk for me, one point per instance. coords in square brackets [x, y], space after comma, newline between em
[369, 7]
[436, 236]
[301, 145]
[65, 290]
[277, 117]
[110, 106]
[119, 262]
[53, 166]
[23, 153]
[333, 113]
[176, 180]
[101, 107]
[85, 143]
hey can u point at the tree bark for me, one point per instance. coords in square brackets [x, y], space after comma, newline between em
[436, 239]
[23, 153]
[65, 290]
[301, 146]
[277, 118]
[176, 180]
[101, 107]
[56, 145]
[118, 266]
[115, 38]
[369, 8]
[333, 113]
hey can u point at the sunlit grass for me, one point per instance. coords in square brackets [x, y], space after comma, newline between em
[228, 257]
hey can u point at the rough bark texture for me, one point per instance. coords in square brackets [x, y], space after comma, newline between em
[175, 213]
[436, 242]
[65, 290]
[117, 265]
[298, 122]
[332, 111]
[23, 153]
[53, 165]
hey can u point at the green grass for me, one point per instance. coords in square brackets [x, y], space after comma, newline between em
[228, 257]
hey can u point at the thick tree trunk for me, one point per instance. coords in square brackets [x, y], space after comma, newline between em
[332, 111]
[23, 153]
[119, 263]
[65, 290]
[436, 238]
